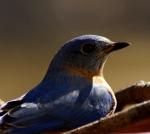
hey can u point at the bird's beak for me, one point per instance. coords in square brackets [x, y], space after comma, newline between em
[115, 46]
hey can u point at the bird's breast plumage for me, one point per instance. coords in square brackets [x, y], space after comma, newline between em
[84, 105]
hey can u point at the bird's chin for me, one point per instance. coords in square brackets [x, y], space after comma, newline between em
[101, 65]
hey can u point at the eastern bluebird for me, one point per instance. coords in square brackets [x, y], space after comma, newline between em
[72, 93]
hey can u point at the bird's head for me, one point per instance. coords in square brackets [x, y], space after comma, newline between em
[85, 55]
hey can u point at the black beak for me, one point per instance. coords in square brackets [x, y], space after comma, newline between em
[119, 45]
[116, 46]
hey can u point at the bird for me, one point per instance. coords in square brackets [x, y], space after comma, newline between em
[73, 92]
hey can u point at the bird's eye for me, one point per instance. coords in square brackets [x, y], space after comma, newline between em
[87, 48]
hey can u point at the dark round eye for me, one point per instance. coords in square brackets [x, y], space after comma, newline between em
[87, 48]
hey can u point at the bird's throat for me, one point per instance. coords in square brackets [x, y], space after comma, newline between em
[83, 73]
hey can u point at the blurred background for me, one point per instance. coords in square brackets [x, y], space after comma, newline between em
[31, 32]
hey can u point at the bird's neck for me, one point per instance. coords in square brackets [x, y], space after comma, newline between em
[81, 72]
[68, 71]
[61, 70]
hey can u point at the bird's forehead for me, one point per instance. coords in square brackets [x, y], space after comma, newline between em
[92, 38]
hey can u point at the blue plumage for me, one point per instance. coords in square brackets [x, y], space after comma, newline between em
[72, 93]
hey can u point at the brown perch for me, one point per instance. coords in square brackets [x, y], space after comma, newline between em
[135, 118]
